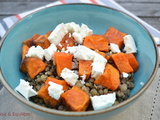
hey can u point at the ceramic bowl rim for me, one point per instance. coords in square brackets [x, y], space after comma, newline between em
[86, 113]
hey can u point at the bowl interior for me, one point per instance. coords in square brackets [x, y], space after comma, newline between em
[97, 18]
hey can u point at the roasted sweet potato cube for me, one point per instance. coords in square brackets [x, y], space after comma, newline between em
[132, 61]
[25, 49]
[76, 99]
[34, 66]
[115, 36]
[110, 78]
[48, 33]
[29, 42]
[67, 41]
[42, 41]
[98, 42]
[85, 68]
[60, 82]
[122, 63]
[43, 93]
[23, 67]
[62, 60]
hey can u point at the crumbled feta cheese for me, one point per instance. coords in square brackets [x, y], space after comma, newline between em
[125, 75]
[77, 32]
[103, 101]
[58, 33]
[83, 79]
[78, 37]
[35, 52]
[59, 44]
[84, 31]
[48, 53]
[72, 27]
[84, 53]
[25, 89]
[55, 90]
[69, 76]
[70, 35]
[141, 83]
[114, 48]
[71, 50]
[98, 66]
[130, 46]
[81, 52]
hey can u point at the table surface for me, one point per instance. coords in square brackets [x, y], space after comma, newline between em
[147, 10]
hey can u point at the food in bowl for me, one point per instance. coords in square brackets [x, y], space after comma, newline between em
[70, 68]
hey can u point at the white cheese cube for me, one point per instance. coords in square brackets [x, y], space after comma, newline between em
[114, 48]
[58, 33]
[83, 79]
[125, 75]
[77, 32]
[98, 66]
[48, 53]
[103, 101]
[130, 46]
[71, 50]
[69, 76]
[72, 27]
[83, 53]
[25, 89]
[78, 37]
[55, 90]
[84, 31]
[35, 52]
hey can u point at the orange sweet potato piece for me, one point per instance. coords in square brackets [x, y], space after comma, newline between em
[60, 82]
[29, 42]
[115, 36]
[132, 61]
[67, 41]
[48, 33]
[34, 66]
[23, 67]
[110, 78]
[25, 49]
[42, 41]
[62, 60]
[85, 68]
[103, 54]
[43, 93]
[76, 99]
[98, 42]
[122, 63]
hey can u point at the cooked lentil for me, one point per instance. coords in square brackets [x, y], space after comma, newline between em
[122, 93]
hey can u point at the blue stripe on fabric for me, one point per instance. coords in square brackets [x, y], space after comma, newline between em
[4, 25]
